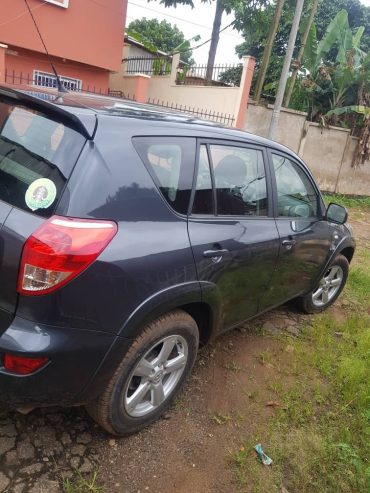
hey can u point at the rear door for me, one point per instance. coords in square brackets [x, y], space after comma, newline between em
[37, 155]
[232, 232]
[304, 234]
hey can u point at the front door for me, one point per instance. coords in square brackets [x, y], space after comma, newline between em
[232, 232]
[304, 235]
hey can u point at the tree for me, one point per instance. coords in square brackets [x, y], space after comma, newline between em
[268, 48]
[358, 15]
[162, 35]
[255, 32]
[306, 33]
[333, 88]
[222, 6]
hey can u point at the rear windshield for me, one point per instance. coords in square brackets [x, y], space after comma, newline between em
[37, 155]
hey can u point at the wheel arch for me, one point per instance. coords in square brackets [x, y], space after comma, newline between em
[347, 252]
[187, 297]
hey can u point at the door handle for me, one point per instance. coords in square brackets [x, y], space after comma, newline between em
[215, 253]
[288, 244]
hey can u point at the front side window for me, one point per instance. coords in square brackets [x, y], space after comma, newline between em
[296, 194]
[37, 155]
[240, 180]
[170, 161]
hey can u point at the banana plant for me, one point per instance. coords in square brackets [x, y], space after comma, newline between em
[359, 109]
[329, 86]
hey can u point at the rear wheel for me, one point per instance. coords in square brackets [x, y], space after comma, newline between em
[329, 287]
[150, 375]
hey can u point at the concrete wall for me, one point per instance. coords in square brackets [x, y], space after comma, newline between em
[230, 101]
[88, 32]
[290, 128]
[354, 181]
[219, 99]
[327, 151]
[20, 64]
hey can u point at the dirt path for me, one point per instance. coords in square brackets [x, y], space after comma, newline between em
[187, 450]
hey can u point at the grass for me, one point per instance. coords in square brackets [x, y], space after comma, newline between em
[233, 367]
[319, 438]
[81, 484]
[221, 419]
[363, 204]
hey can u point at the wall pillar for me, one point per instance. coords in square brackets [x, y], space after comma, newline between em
[3, 49]
[174, 66]
[245, 87]
[140, 87]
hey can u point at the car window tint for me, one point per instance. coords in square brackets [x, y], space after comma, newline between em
[296, 195]
[203, 198]
[170, 160]
[240, 181]
[37, 155]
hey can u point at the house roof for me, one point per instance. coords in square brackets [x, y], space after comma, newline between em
[132, 41]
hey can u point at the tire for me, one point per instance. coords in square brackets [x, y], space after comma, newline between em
[316, 301]
[138, 394]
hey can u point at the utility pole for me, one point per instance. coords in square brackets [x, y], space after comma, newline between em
[285, 70]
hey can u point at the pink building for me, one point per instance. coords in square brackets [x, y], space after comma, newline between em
[83, 37]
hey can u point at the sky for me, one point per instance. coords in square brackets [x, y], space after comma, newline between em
[192, 22]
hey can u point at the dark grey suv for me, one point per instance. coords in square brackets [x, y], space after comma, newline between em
[129, 236]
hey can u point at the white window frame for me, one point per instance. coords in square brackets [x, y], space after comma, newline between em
[61, 3]
[70, 83]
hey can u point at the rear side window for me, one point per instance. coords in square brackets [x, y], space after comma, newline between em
[170, 162]
[37, 155]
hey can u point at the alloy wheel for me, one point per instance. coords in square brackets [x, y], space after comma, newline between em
[155, 376]
[328, 286]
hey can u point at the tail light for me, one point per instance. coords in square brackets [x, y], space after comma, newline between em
[59, 250]
[22, 365]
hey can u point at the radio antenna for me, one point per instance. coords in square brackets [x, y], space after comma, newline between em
[60, 85]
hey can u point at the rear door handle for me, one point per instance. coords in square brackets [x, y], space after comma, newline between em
[215, 253]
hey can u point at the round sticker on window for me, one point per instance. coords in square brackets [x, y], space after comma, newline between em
[40, 194]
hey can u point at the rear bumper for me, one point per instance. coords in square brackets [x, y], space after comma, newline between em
[75, 357]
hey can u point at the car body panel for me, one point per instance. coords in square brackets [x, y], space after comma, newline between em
[149, 268]
[243, 273]
[69, 370]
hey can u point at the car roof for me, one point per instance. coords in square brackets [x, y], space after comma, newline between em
[87, 106]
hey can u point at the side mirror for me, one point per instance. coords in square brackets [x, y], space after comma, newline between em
[336, 213]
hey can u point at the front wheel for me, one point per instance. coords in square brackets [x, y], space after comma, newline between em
[329, 287]
[150, 375]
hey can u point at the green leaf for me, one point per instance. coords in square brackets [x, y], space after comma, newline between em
[334, 31]
[345, 45]
[357, 36]
[362, 110]
[310, 51]
[142, 39]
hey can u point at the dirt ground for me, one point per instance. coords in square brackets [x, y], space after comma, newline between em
[186, 451]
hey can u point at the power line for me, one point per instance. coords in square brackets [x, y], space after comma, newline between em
[179, 18]
[205, 42]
